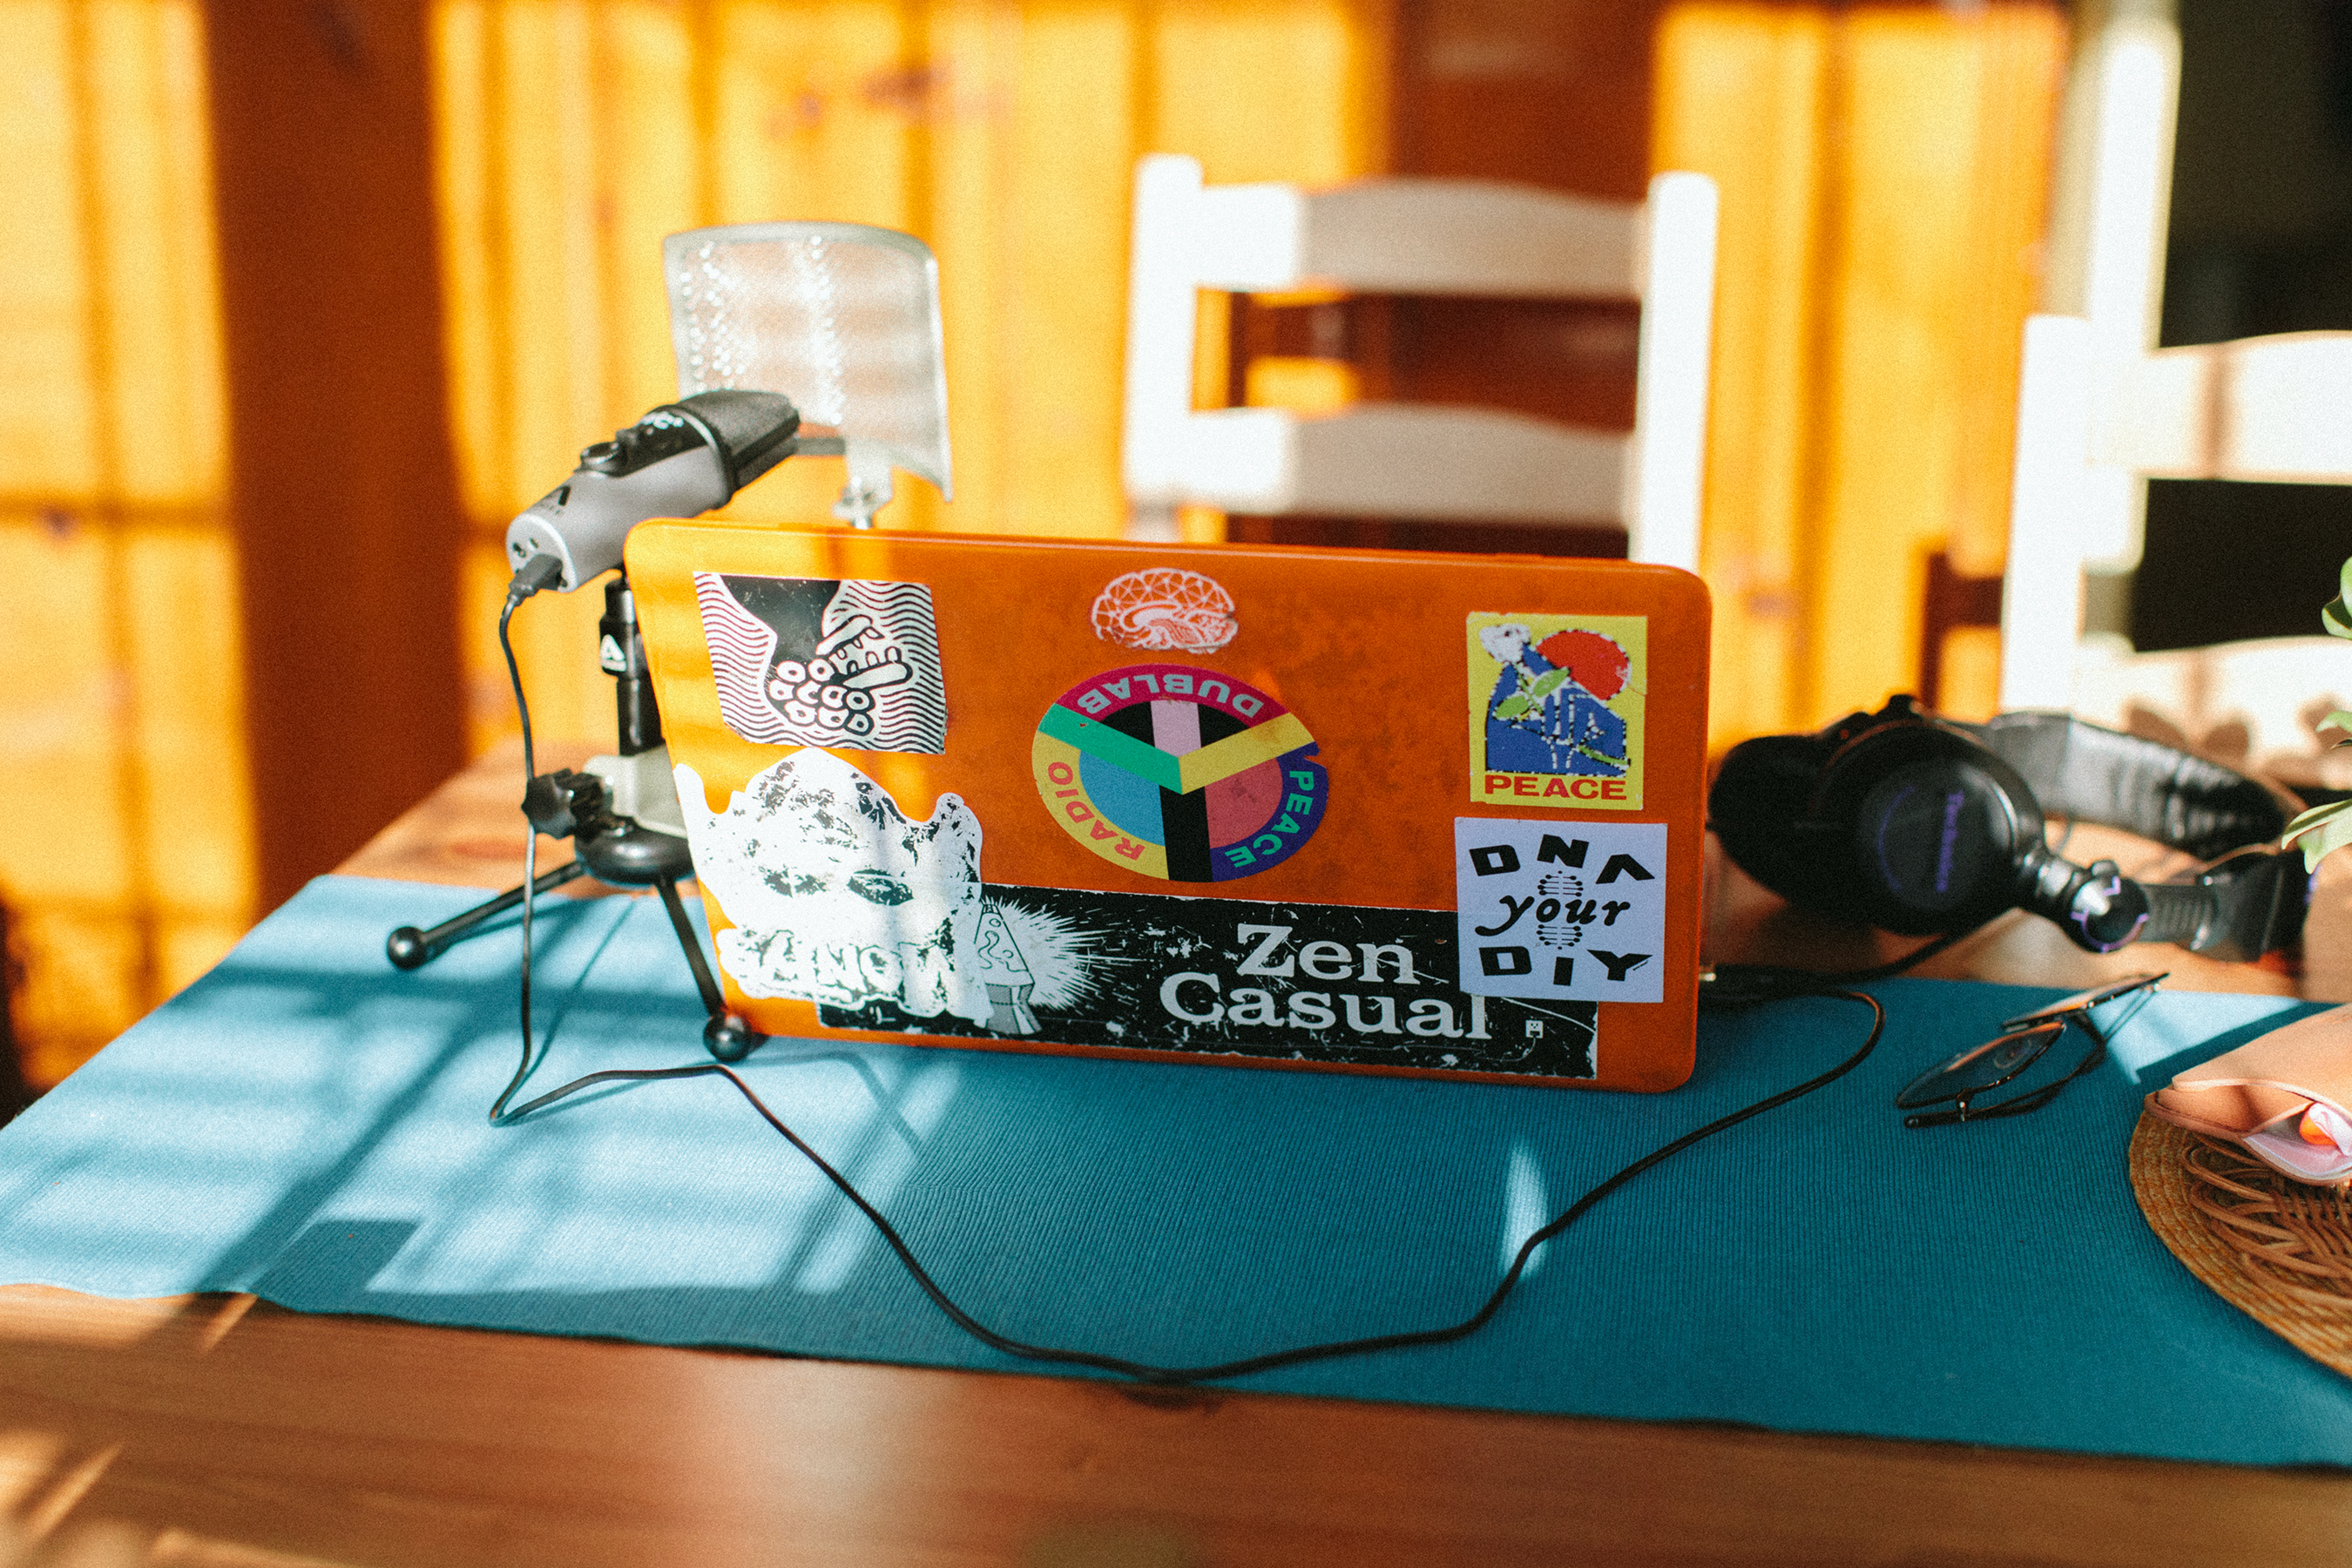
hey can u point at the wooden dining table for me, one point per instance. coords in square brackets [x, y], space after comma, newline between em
[222, 1430]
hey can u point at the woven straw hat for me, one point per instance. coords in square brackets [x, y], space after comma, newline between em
[2277, 1250]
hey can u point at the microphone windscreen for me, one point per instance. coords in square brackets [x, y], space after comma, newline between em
[754, 428]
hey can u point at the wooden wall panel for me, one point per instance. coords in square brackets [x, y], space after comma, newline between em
[1272, 90]
[1947, 122]
[342, 485]
[1883, 172]
[972, 54]
[819, 110]
[1742, 96]
[1065, 273]
[128, 862]
[49, 423]
[1551, 93]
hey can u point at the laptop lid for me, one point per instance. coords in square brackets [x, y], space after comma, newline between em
[1354, 810]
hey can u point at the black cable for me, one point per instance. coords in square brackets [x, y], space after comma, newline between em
[1144, 1371]
[1747, 985]
[539, 572]
[1744, 984]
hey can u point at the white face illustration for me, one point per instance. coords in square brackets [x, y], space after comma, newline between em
[837, 897]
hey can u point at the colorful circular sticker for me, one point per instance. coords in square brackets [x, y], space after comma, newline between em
[1178, 772]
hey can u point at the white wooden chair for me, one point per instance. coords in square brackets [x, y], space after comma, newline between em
[2101, 411]
[2273, 408]
[1410, 460]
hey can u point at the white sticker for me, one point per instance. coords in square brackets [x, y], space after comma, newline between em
[1575, 911]
[835, 895]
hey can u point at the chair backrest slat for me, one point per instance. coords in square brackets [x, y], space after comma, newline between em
[1421, 236]
[2275, 408]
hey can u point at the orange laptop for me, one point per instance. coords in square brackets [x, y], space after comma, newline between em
[1368, 811]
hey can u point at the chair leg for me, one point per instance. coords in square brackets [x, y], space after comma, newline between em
[1953, 600]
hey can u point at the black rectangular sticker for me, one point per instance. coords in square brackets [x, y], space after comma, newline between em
[1318, 983]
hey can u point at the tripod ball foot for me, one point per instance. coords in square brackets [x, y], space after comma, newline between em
[406, 948]
[731, 1039]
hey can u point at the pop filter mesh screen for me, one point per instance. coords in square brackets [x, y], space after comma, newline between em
[842, 318]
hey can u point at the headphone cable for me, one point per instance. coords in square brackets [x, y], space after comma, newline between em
[533, 577]
[1749, 984]
[1167, 1376]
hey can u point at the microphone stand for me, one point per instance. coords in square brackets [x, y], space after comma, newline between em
[614, 815]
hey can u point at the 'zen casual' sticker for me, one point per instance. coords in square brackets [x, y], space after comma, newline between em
[1567, 910]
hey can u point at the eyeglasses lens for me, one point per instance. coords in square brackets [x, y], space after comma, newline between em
[2128, 994]
[1985, 1067]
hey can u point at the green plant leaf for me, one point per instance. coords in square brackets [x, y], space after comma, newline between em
[2337, 617]
[1549, 681]
[2318, 832]
[1511, 707]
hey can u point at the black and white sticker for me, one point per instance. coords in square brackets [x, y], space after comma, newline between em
[817, 662]
[1572, 910]
[837, 894]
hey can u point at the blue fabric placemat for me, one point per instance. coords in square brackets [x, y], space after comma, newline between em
[308, 1124]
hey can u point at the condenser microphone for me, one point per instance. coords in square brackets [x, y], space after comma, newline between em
[680, 460]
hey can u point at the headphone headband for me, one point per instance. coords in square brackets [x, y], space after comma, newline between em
[2096, 775]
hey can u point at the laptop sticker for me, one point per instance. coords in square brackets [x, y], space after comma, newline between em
[1336, 984]
[1180, 774]
[1557, 710]
[812, 662]
[1561, 910]
[835, 896]
[1165, 609]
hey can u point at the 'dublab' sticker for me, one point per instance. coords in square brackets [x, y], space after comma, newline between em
[1178, 772]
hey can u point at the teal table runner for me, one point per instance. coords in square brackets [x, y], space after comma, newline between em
[307, 1124]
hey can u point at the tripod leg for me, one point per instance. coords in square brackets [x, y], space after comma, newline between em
[409, 948]
[731, 1040]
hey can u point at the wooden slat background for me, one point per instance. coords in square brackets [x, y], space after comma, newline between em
[1883, 167]
[127, 858]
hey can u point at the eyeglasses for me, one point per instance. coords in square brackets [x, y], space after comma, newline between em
[2023, 1040]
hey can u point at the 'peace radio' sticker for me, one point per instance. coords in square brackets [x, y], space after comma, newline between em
[1556, 711]
[1569, 909]
[816, 662]
[1179, 772]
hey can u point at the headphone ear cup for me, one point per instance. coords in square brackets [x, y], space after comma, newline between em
[1758, 807]
[1935, 830]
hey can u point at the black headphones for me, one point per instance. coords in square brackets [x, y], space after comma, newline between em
[1928, 826]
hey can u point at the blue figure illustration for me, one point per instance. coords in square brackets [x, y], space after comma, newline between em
[1540, 718]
